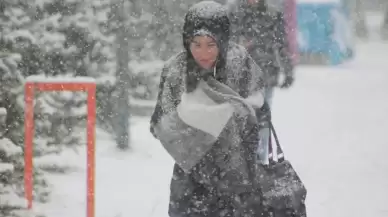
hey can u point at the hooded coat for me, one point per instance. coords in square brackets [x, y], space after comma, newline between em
[206, 121]
[263, 25]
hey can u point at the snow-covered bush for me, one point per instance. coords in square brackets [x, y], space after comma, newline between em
[12, 202]
[10, 198]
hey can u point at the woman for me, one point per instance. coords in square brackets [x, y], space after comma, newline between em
[205, 119]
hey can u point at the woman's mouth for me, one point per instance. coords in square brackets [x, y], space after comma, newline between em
[205, 61]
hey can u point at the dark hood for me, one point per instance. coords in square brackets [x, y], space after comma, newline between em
[210, 18]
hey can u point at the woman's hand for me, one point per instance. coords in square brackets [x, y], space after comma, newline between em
[263, 115]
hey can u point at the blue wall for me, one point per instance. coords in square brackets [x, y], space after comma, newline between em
[324, 28]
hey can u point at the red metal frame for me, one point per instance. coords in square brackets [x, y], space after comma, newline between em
[30, 88]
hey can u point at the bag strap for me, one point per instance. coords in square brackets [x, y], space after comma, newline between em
[279, 150]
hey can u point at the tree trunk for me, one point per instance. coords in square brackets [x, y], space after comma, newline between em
[123, 77]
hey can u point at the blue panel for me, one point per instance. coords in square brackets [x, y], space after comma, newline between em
[323, 28]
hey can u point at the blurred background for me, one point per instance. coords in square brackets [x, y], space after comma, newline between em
[332, 121]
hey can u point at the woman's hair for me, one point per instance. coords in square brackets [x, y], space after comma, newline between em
[213, 18]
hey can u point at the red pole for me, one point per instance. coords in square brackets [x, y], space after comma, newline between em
[29, 135]
[28, 142]
[91, 121]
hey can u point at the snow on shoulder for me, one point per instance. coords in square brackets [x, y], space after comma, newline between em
[207, 9]
[59, 79]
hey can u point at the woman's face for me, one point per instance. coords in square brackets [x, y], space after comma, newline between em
[205, 51]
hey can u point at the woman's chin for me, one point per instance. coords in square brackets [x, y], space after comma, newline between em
[206, 66]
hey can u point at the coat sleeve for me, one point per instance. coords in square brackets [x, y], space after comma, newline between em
[158, 110]
[283, 45]
[252, 83]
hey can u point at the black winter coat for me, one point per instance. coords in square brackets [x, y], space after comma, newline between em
[213, 144]
[220, 183]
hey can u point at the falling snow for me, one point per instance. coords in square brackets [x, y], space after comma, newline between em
[331, 122]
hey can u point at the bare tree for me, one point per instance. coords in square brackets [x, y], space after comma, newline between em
[121, 115]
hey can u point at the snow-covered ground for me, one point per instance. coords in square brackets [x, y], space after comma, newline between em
[333, 124]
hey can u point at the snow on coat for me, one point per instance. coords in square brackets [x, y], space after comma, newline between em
[188, 124]
[210, 132]
[207, 123]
